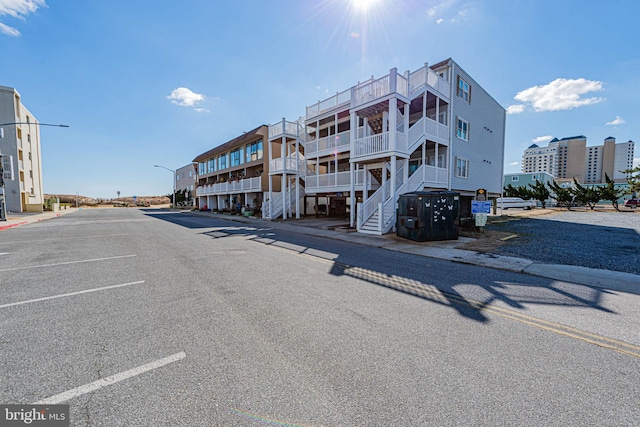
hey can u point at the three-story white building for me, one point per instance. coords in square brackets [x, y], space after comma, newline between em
[356, 152]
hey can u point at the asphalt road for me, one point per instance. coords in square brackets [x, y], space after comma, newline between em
[143, 318]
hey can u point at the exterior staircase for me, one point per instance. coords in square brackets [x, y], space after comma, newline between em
[377, 215]
[274, 209]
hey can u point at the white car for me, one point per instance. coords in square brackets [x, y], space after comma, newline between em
[514, 202]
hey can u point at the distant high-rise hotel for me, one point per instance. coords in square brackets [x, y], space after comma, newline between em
[571, 158]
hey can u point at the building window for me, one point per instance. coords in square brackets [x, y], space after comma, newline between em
[201, 168]
[463, 90]
[211, 165]
[237, 157]
[462, 168]
[222, 162]
[535, 177]
[254, 151]
[190, 174]
[515, 178]
[463, 129]
[177, 177]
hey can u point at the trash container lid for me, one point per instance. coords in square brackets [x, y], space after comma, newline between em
[430, 193]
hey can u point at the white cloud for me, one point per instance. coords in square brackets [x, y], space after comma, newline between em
[10, 31]
[439, 21]
[514, 163]
[542, 139]
[515, 109]
[185, 97]
[560, 94]
[201, 110]
[617, 121]
[17, 9]
[636, 162]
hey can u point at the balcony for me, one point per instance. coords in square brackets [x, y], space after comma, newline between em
[247, 185]
[293, 164]
[425, 76]
[332, 144]
[379, 145]
[285, 128]
[337, 182]
[341, 99]
[373, 90]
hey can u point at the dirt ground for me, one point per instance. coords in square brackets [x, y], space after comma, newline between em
[488, 240]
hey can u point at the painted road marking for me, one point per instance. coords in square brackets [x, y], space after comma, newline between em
[70, 294]
[64, 238]
[110, 380]
[68, 262]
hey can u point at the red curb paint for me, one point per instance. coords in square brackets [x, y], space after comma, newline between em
[5, 227]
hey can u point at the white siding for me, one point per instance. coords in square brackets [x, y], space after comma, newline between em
[485, 148]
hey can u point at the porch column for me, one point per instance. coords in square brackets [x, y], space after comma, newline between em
[365, 183]
[352, 194]
[424, 161]
[393, 176]
[393, 122]
[283, 157]
[298, 165]
[270, 182]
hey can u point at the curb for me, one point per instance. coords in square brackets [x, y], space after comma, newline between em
[17, 224]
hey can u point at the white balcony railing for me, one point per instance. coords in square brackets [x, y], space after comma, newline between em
[378, 144]
[340, 181]
[295, 164]
[426, 76]
[338, 100]
[331, 144]
[246, 185]
[283, 128]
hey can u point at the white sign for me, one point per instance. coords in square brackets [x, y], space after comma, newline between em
[481, 219]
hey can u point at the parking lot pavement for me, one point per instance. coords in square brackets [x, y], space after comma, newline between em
[450, 250]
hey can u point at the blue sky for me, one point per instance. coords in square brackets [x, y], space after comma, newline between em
[145, 82]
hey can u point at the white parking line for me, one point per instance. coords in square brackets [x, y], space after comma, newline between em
[39, 241]
[67, 263]
[107, 381]
[69, 294]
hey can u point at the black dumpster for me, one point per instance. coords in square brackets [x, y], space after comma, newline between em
[428, 215]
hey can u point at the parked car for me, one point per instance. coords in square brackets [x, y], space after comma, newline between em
[632, 203]
[514, 202]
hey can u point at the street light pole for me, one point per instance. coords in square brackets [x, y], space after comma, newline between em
[3, 198]
[173, 195]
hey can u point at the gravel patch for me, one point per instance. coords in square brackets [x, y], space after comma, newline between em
[596, 239]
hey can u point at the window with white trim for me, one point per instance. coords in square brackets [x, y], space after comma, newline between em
[462, 131]
[515, 178]
[462, 168]
[463, 90]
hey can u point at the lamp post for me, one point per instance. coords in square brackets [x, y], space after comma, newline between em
[3, 212]
[173, 195]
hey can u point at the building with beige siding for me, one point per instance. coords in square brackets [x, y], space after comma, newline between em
[570, 158]
[234, 173]
[21, 141]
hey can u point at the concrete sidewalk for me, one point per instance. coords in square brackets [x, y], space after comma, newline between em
[446, 249]
[17, 219]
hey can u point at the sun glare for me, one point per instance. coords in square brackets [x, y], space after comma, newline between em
[362, 5]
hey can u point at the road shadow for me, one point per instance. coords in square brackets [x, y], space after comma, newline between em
[430, 279]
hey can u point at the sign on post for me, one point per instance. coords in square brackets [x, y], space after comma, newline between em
[480, 207]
